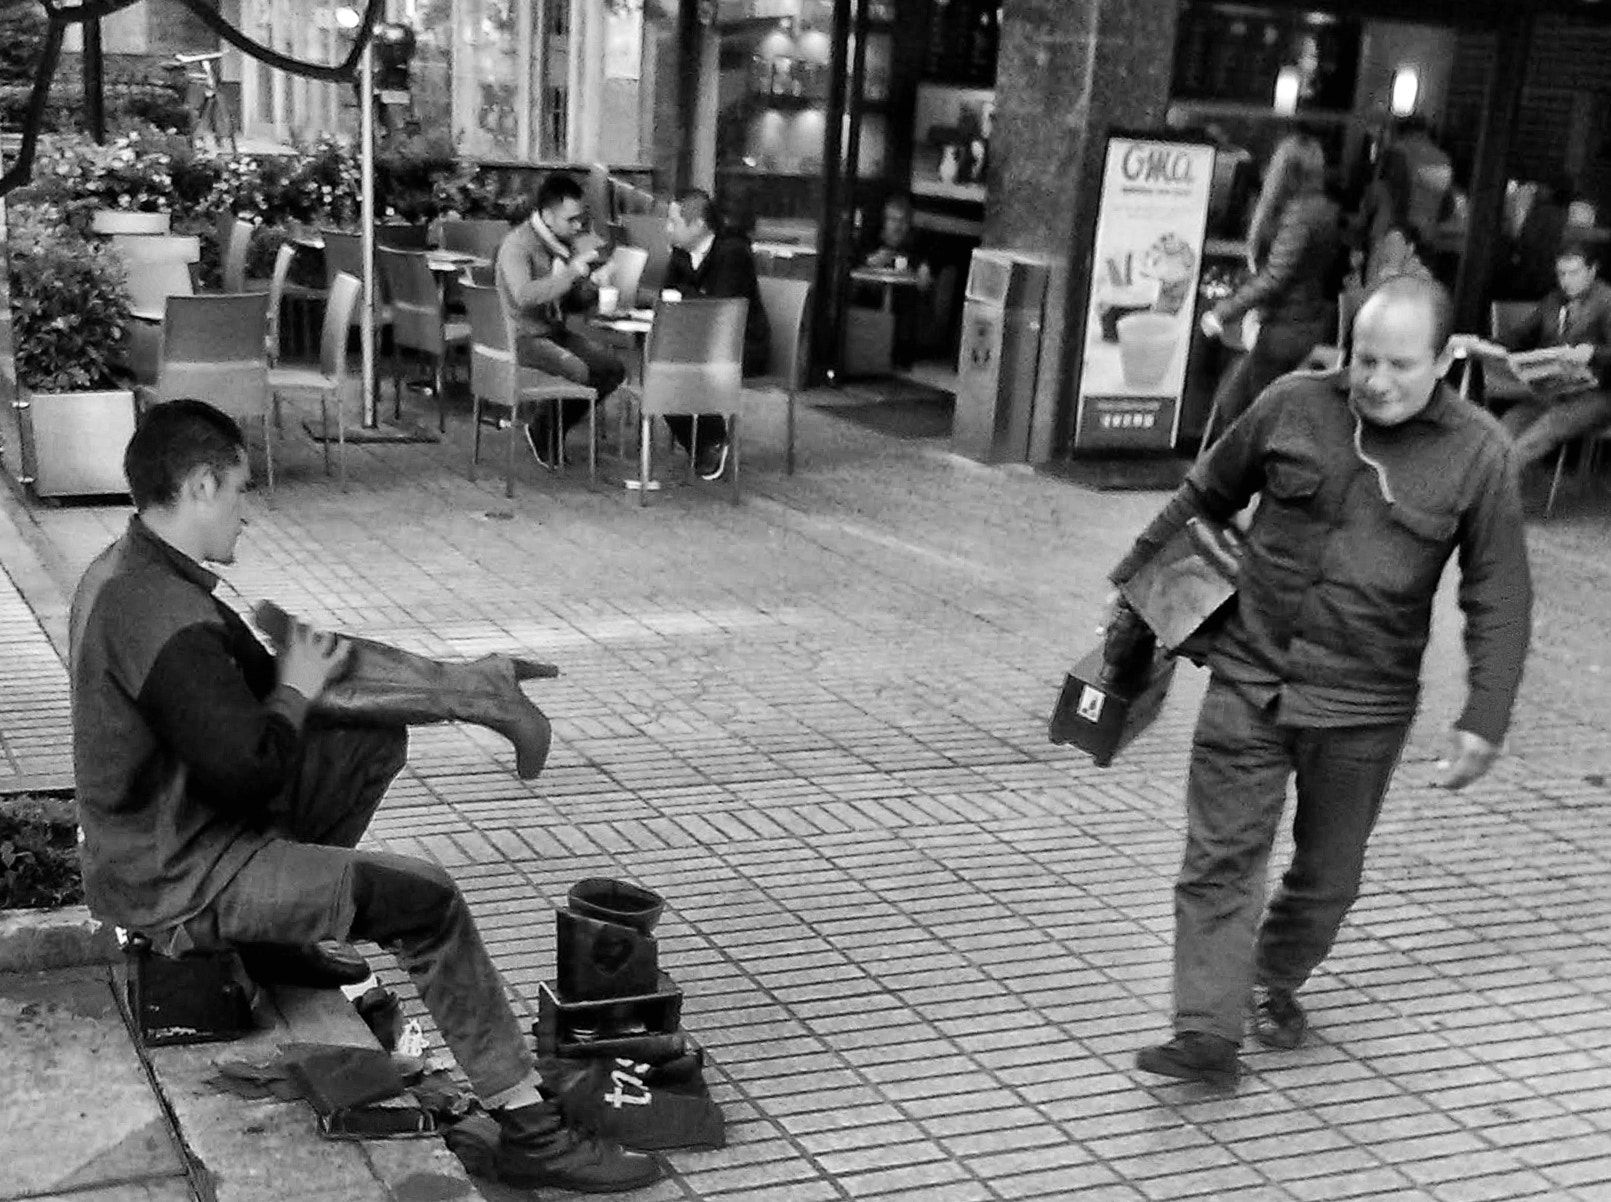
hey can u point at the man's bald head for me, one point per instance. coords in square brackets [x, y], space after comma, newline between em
[1410, 297]
[1399, 337]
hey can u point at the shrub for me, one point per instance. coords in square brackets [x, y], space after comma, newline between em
[38, 854]
[69, 304]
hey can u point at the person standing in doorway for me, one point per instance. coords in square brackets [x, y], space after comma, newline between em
[1369, 479]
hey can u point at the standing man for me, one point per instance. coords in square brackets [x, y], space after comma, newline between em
[1576, 315]
[543, 271]
[708, 258]
[222, 791]
[1368, 485]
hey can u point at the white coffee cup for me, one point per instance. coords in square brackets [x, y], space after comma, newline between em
[670, 294]
[609, 298]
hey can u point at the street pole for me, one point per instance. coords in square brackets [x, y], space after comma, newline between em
[366, 135]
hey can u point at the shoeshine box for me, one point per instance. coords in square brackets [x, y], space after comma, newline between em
[1101, 715]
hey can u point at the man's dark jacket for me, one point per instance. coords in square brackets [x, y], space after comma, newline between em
[727, 272]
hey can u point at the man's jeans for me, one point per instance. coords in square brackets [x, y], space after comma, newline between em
[1540, 426]
[577, 358]
[1241, 761]
[310, 885]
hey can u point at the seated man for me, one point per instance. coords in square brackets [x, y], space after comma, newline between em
[900, 248]
[543, 273]
[710, 259]
[1577, 314]
[222, 790]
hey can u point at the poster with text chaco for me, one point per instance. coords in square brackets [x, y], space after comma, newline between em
[1144, 265]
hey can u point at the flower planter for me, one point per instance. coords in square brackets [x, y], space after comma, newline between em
[72, 443]
[124, 221]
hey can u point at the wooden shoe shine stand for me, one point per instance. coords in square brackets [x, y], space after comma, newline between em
[608, 986]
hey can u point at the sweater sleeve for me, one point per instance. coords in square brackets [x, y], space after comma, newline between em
[201, 707]
[1496, 596]
[1286, 259]
[528, 290]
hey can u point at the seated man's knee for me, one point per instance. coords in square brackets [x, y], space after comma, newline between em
[396, 897]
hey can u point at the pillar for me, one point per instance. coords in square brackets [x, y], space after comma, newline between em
[1067, 71]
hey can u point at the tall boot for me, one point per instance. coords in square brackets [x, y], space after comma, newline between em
[387, 685]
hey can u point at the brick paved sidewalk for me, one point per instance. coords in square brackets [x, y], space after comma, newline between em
[920, 942]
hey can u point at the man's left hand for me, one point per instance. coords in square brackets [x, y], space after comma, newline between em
[1470, 756]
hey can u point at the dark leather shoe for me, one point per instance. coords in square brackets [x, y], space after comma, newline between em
[1193, 1056]
[1279, 1021]
[327, 965]
[537, 1147]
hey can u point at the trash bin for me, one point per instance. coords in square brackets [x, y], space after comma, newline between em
[999, 359]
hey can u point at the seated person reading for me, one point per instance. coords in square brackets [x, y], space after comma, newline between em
[711, 258]
[1575, 316]
[223, 789]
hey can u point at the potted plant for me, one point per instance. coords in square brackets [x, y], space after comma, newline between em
[70, 309]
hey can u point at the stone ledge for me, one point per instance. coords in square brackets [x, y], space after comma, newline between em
[66, 937]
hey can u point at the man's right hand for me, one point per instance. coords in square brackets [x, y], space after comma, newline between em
[311, 659]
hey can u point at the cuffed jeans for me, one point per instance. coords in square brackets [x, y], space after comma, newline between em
[310, 884]
[1235, 793]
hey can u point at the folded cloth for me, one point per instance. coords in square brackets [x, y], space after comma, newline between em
[339, 1078]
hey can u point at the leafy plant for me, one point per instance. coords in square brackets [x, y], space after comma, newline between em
[38, 854]
[69, 304]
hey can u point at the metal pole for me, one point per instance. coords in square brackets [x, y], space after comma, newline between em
[366, 215]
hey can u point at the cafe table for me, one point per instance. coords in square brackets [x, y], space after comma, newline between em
[866, 348]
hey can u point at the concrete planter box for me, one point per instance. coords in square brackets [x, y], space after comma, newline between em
[65, 937]
[123, 221]
[72, 443]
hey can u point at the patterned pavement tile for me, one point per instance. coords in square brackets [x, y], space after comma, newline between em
[920, 943]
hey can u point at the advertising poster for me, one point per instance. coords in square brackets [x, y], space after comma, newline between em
[1145, 262]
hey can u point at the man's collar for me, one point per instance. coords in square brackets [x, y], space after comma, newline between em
[548, 237]
[154, 545]
[700, 249]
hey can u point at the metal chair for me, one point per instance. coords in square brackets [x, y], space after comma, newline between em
[694, 365]
[234, 251]
[157, 266]
[344, 253]
[419, 323]
[497, 379]
[402, 235]
[330, 380]
[788, 314]
[215, 348]
[474, 237]
[626, 264]
[648, 232]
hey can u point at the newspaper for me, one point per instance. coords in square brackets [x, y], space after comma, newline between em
[1546, 373]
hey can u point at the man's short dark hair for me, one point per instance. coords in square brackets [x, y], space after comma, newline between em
[1576, 248]
[556, 189]
[1425, 291]
[696, 202]
[172, 440]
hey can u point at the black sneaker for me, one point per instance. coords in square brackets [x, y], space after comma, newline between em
[538, 439]
[1279, 1021]
[1193, 1056]
[712, 461]
[537, 1147]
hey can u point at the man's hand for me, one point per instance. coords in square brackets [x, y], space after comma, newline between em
[1212, 326]
[311, 659]
[1470, 756]
[586, 251]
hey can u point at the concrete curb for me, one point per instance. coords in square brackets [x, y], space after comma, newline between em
[40, 940]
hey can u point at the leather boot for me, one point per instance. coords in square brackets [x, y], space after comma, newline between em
[537, 1147]
[385, 685]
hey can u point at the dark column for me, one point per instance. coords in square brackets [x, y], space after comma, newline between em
[94, 92]
[1067, 72]
[1500, 111]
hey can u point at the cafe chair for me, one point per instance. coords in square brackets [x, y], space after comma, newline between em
[626, 264]
[479, 237]
[344, 253]
[419, 323]
[498, 381]
[648, 232]
[215, 347]
[788, 314]
[694, 365]
[157, 266]
[402, 235]
[329, 381]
